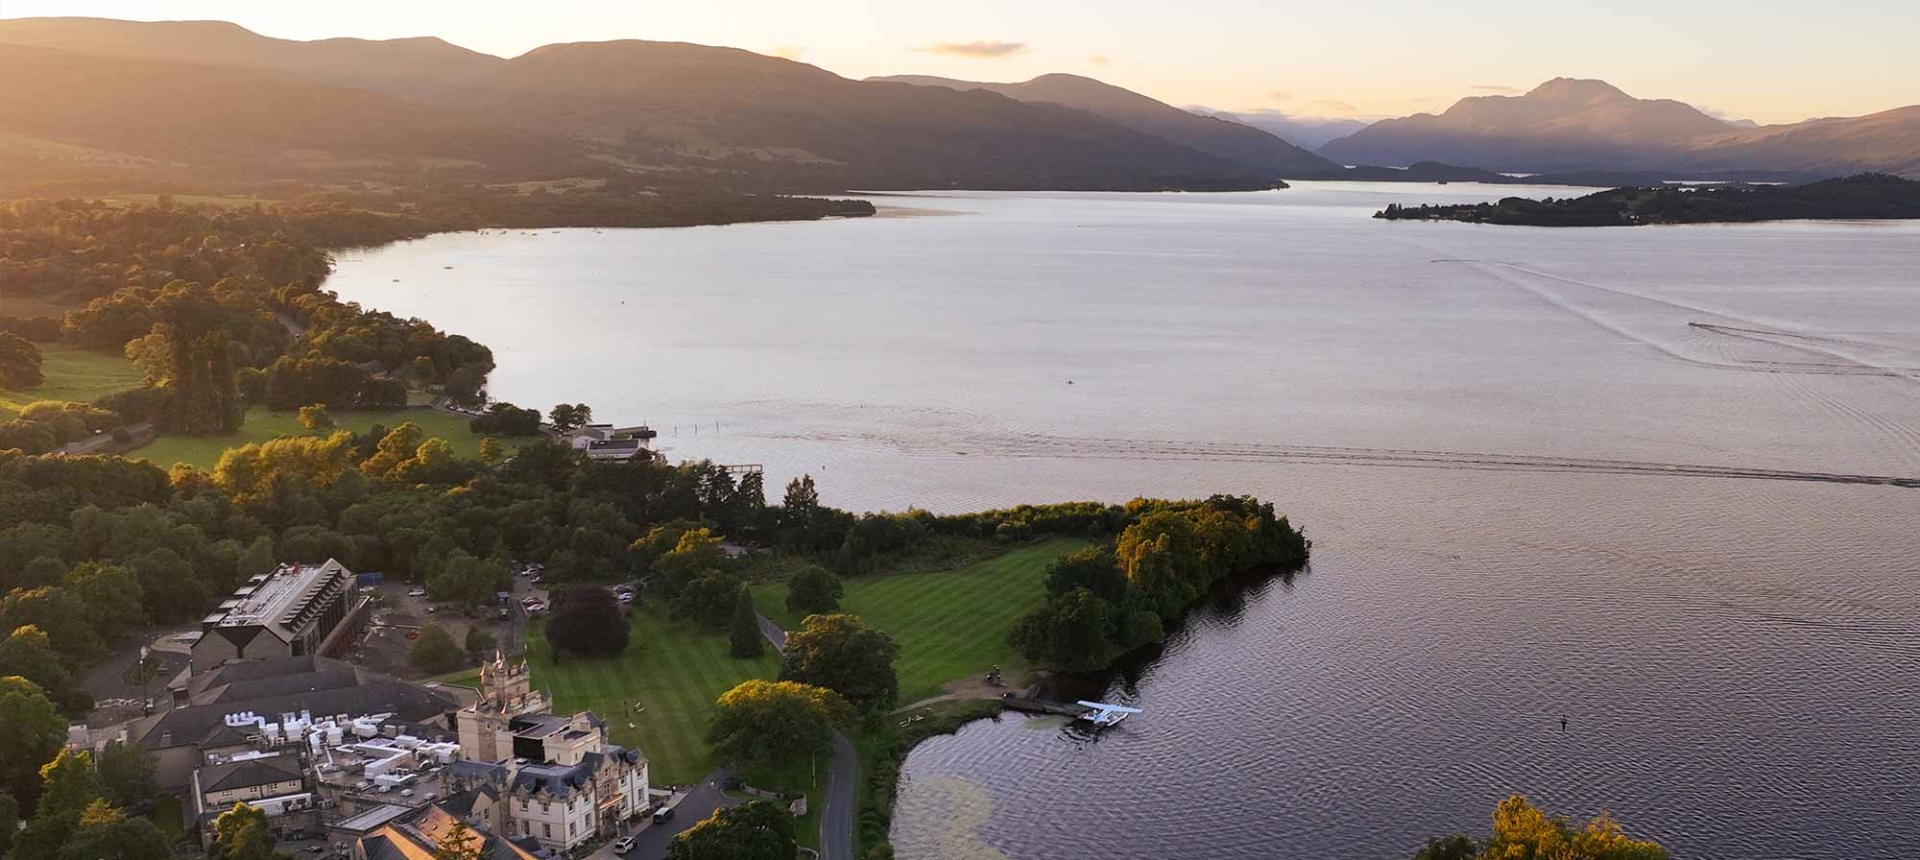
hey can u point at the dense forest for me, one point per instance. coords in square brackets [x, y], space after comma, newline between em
[1865, 196]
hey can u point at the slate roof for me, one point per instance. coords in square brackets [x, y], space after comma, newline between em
[248, 773]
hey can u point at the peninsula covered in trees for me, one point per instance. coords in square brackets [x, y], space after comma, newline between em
[1867, 196]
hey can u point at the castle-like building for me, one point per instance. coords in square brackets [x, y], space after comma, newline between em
[560, 781]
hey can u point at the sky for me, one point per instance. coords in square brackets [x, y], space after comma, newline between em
[1766, 60]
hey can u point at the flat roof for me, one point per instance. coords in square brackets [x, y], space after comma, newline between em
[371, 819]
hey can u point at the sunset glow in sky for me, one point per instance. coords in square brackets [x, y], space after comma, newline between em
[1761, 59]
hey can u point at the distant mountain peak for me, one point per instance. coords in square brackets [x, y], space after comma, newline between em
[1578, 90]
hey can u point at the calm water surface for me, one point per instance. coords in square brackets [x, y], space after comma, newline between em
[1606, 474]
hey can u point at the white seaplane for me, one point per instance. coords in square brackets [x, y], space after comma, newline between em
[1102, 715]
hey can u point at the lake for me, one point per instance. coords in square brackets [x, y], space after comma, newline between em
[1629, 476]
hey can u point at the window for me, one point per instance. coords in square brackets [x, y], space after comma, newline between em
[526, 829]
[523, 804]
[546, 830]
[569, 830]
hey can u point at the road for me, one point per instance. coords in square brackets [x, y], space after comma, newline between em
[651, 842]
[838, 804]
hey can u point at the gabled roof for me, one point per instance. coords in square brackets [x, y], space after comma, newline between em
[249, 773]
[461, 804]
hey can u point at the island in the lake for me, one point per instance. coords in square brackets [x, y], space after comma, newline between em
[1865, 196]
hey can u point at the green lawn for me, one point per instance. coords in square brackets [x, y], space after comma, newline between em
[950, 625]
[674, 671]
[72, 374]
[263, 424]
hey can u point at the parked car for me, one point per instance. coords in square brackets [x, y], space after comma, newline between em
[662, 814]
[418, 592]
[623, 845]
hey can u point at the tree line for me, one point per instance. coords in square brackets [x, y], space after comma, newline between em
[1112, 598]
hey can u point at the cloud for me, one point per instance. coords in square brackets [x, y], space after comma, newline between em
[1098, 59]
[1336, 104]
[786, 52]
[1496, 88]
[979, 50]
[1279, 96]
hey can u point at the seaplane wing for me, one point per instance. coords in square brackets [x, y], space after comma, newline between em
[1103, 714]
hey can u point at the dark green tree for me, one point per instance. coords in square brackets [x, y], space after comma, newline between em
[9, 820]
[843, 654]
[755, 830]
[480, 643]
[126, 771]
[19, 362]
[28, 654]
[775, 723]
[588, 622]
[33, 735]
[743, 637]
[105, 832]
[434, 652]
[567, 418]
[814, 590]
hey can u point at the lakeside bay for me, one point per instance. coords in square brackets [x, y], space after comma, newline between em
[1736, 655]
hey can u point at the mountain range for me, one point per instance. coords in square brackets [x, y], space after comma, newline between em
[1568, 125]
[1222, 137]
[94, 98]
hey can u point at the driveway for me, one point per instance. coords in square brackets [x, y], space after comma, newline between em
[837, 804]
[651, 842]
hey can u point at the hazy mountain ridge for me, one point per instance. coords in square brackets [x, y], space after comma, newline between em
[72, 113]
[1568, 124]
[675, 112]
[1219, 136]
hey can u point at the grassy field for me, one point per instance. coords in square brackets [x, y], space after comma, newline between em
[263, 424]
[674, 671]
[33, 307]
[72, 374]
[950, 625]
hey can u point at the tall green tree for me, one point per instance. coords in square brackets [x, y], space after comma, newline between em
[814, 590]
[743, 637]
[480, 644]
[434, 652]
[126, 771]
[19, 362]
[773, 723]
[34, 732]
[105, 832]
[843, 654]
[242, 833]
[755, 830]
[9, 821]
[588, 622]
[28, 654]
[567, 418]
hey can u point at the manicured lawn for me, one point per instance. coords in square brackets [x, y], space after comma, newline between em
[950, 625]
[674, 671]
[263, 424]
[72, 374]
